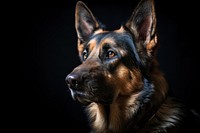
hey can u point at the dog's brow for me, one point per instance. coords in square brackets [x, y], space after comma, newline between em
[108, 41]
[92, 43]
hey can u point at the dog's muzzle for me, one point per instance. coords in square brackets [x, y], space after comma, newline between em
[88, 88]
[75, 86]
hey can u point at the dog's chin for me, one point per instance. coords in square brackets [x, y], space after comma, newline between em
[80, 97]
[83, 100]
[86, 99]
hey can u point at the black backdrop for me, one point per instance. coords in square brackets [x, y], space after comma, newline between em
[49, 54]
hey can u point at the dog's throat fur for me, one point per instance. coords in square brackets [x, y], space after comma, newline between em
[125, 111]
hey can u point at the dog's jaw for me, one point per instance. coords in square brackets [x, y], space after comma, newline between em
[122, 113]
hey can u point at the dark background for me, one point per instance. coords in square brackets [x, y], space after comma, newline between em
[49, 54]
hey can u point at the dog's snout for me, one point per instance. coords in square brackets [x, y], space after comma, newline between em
[72, 81]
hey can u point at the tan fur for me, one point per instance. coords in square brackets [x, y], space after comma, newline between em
[92, 43]
[97, 115]
[150, 46]
[108, 40]
[129, 81]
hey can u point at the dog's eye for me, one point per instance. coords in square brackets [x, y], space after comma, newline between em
[110, 54]
[85, 55]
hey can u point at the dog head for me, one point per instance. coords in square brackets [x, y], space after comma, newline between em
[113, 62]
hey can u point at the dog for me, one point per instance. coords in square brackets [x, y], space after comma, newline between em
[119, 79]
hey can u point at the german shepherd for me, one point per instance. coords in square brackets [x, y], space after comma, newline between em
[119, 78]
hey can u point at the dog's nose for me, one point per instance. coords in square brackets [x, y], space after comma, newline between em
[72, 81]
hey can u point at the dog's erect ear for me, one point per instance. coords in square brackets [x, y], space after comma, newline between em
[142, 24]
[85, 22]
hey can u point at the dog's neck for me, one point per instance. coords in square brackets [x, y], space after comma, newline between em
[125, 111]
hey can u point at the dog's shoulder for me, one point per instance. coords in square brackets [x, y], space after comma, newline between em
[174, 116]
[189, 118]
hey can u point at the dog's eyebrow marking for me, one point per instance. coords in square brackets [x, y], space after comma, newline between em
[108, 40]
[92, 43]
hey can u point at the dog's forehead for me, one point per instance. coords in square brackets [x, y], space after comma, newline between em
[110, 37]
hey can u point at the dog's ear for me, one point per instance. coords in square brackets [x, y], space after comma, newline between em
[142, 24]
[85, 22]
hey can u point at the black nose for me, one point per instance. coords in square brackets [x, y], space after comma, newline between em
[72, 81]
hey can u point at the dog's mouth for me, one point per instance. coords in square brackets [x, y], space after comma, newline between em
[82, 97]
